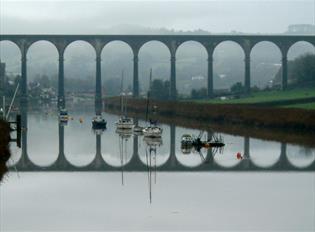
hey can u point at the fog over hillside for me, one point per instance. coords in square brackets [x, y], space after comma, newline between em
[154, 17]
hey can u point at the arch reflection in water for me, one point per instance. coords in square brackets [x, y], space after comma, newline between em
[79, 139]
[42, 150]
[101, 152]
[262, 153]
[300, 157]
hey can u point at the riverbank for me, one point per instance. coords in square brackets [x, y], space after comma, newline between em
[292, 98]
[280, 124]
[4, 147]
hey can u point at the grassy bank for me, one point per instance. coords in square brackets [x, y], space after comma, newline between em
[306, 106]
[291, 125]
[282, 98]
[4, 147]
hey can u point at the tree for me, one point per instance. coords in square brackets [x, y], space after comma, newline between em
[160, 89]
[301, 71]
[237, 88]
[198, 94]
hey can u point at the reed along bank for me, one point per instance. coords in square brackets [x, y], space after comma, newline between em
[230, 118]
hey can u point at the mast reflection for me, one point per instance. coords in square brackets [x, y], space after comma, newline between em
[150, 153]
[124, 135]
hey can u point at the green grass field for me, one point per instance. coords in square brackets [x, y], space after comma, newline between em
[267, 96]
[270, 96]
[306, 106]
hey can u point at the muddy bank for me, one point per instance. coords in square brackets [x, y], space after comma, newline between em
[284, 125]
[4, 147]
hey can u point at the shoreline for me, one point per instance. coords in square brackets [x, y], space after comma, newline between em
[296, 126]
[4, 147]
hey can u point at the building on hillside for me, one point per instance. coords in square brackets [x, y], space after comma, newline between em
[305, 29]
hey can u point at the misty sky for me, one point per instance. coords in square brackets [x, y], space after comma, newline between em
[250, 16]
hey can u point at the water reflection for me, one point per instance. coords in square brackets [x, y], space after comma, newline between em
[185, 188]
[79, 140]
[50, 145]
[152, 145]
[124, 136]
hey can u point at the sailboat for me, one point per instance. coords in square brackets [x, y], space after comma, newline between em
[124, 121]
[99, 123]
[152, 130]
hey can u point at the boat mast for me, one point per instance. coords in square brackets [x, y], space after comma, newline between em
[121, 93]
[12, 101]
[148, 96]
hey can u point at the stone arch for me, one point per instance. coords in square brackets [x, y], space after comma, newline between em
[35, 45]
[87, 55]
[229, 41]
[70, 43]
[193, 79]
[266, 64]
[122, 61]
[155, 41]
[116, 41]
[266, 41]
[191, 41]
[305, 43]
[12, 45]
[221, 74]
[11, 42]
[160, 63]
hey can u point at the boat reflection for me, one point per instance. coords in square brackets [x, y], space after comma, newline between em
[98, 131]
[152, 144]
[191, 144]
[123, 135]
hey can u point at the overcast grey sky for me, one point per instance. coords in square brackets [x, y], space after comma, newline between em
[250, 16]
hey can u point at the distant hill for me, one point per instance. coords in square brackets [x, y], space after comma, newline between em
[139, 30]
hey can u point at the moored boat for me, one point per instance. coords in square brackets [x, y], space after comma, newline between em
[125, 123]
[63, 115]
[138, 130]
[153, 131]
[99, 122]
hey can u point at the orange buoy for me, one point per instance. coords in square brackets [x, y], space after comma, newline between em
[207, 145]
[239, 156]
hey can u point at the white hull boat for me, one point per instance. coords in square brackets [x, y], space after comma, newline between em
[152, 131]
[125, 123]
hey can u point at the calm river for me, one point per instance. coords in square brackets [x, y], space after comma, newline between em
[70, 178]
